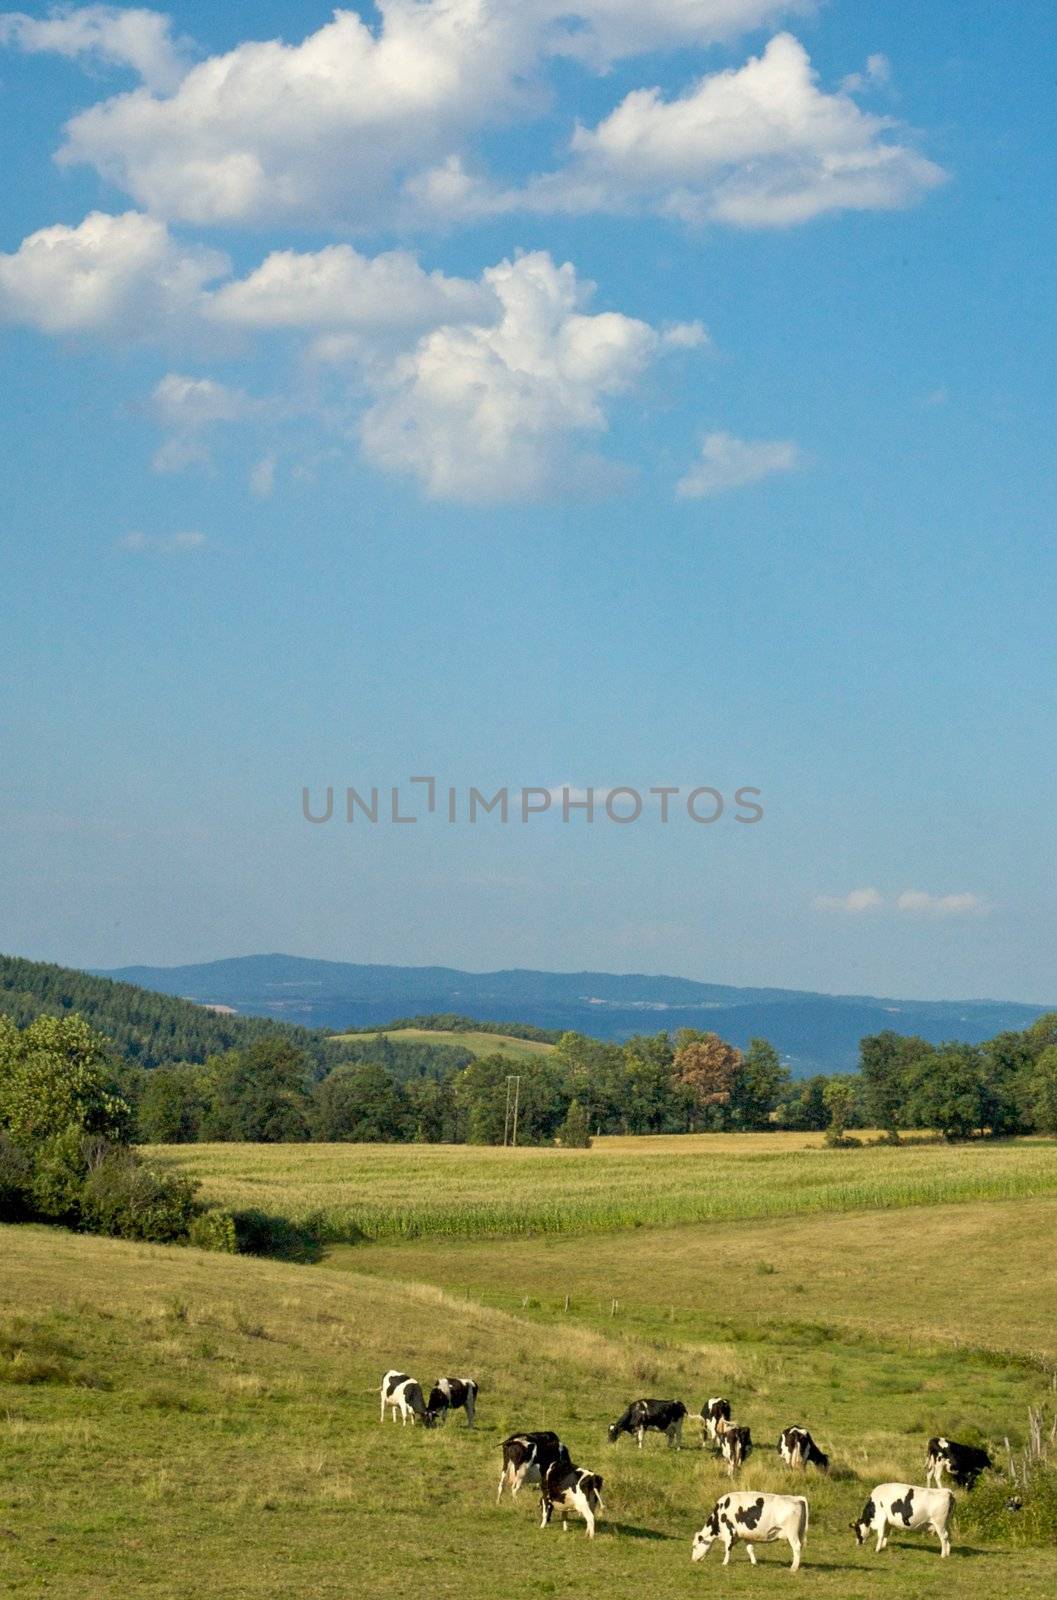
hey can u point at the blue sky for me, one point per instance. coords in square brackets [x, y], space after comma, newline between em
[324, 464]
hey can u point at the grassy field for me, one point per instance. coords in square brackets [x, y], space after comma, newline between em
[435, 1191]
[479, 1044]
[175, 1424]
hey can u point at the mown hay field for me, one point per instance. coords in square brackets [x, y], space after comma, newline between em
[379, 1192]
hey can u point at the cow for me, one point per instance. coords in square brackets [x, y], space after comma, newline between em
[711, 1412]
[449, 1394]
[570, 1488]
[755, 1519]
[651, 1416]
[963, 1463]
[402, 1394]
[797, 1448]
[908, 1507]
[735, 1443]
[525, 1455]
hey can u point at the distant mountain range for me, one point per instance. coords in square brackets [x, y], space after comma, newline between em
[813, 1032]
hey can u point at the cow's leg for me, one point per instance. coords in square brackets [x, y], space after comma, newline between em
[469, 1409]
[728, 1545]
[752, 1553]
[882, 1534]
[546, 1508]
[796, 1555]
[502, 1480]
[382, 1418]
[944, 1538]
[588, 1516]
[642, 1434]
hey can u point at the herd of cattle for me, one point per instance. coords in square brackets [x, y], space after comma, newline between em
[748, 1516]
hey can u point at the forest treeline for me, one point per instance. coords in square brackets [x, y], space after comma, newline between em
[655, 1083]
[144, 1027]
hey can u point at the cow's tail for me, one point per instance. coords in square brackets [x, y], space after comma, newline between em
[803, 1517]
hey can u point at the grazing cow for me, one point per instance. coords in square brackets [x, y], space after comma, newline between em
[649, 1416]
[712, 1412]
[907, 1507]
[735, 1444]
[402, 1394]
[755, 1519]
[963, 1463]
[570, 1488]
[796, 1448]
[525, 1456]
[448, 1394]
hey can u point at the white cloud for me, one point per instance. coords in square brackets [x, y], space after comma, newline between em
[497, 411]
[187, 408]
[855, 902]
[760, 145]
[161, 544]
[339, 288]
[108, 35]
[918, 903]
[122, 276]
[730, 463]
[356, 127]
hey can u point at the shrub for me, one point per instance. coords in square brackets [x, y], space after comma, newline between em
[124, 1197]
[60, 1167]
[214, 1230]
[16, 1176]
[575, 1131]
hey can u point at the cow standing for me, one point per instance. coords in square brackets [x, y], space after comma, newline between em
[451, 1394]
[570, 1488]
[963, 1463]
[714, 1411]
[404, 1396]
[754, 1519]
[797, 1449]
[909, 1508]
[525, 1457]
[735, 1444]
[651, 1416]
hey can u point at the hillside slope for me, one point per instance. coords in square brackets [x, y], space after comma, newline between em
[814, 1032]
[149, 1029]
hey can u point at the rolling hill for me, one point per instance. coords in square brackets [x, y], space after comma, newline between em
[814, 1032]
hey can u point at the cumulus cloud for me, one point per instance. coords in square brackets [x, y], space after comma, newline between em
[337, 287]
[357, 126]
[161, 544]
[919, 903]
[497, 411]
[855, 902]
[103, 35]
[761, 145]
[730, 463]
[122, 276]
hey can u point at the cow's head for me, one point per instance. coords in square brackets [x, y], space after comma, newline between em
[706, 1537]
[615, 1430]
[862, 1527]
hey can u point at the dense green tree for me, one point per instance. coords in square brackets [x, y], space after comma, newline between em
[258, 1094]
[57, 1074]
[945, 1090]
[1041, 1090]
[575, 1131]
[885, 1059]
[172, 1106]
[839, 1096]
[432, 1112]
[804, 1107]
[759, 1084]
[361, 1104]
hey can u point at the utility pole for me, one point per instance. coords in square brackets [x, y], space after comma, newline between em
[510, 1119]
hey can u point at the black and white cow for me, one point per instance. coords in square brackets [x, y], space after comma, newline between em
[713, 1411]
[570, 1488]
[449, 1394]
[525, 1457]
[651, 1416]
[963, 1463]
[906, 1507]
[755, 1519]
[402, 1394]
[797, 1448]
[735, 1444]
